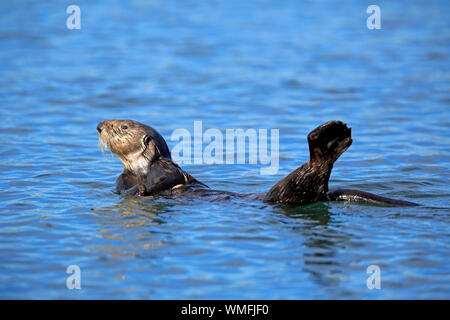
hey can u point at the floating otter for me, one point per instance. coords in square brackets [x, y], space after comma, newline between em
[149, 169]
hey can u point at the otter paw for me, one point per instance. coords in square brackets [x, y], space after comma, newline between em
[141, 190]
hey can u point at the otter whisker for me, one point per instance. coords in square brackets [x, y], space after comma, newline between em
[102, 145]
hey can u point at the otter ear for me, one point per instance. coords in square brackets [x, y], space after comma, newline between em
[146, 140]
[151, 150]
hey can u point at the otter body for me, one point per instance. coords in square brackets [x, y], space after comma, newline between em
[162, 175]
[148, 166]
[149, 169]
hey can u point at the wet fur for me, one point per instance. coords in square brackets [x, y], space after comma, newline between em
[149, 169]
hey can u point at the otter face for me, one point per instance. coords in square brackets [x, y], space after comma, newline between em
[134, 143]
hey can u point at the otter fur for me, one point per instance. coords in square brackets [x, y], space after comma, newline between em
[149, 169]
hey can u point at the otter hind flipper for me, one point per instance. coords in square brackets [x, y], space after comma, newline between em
[329, 140]
[309, 183]
[362, 196]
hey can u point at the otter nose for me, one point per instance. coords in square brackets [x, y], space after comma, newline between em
[100, 127]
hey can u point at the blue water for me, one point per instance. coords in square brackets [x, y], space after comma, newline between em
[289, 65]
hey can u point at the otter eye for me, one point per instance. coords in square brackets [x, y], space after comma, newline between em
[124, 127]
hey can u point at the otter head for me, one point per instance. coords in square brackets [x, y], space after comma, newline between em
[136, 144]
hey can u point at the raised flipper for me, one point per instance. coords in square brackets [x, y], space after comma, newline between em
[309, 183]
[362, 196]
[328, 141]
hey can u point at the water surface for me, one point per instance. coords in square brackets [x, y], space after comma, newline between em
[289, 65]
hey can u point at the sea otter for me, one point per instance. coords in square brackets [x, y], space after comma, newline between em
[149, 169]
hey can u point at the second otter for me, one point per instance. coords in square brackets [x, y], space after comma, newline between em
[149, 169]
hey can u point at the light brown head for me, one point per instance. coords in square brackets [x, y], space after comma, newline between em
[137, 145]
